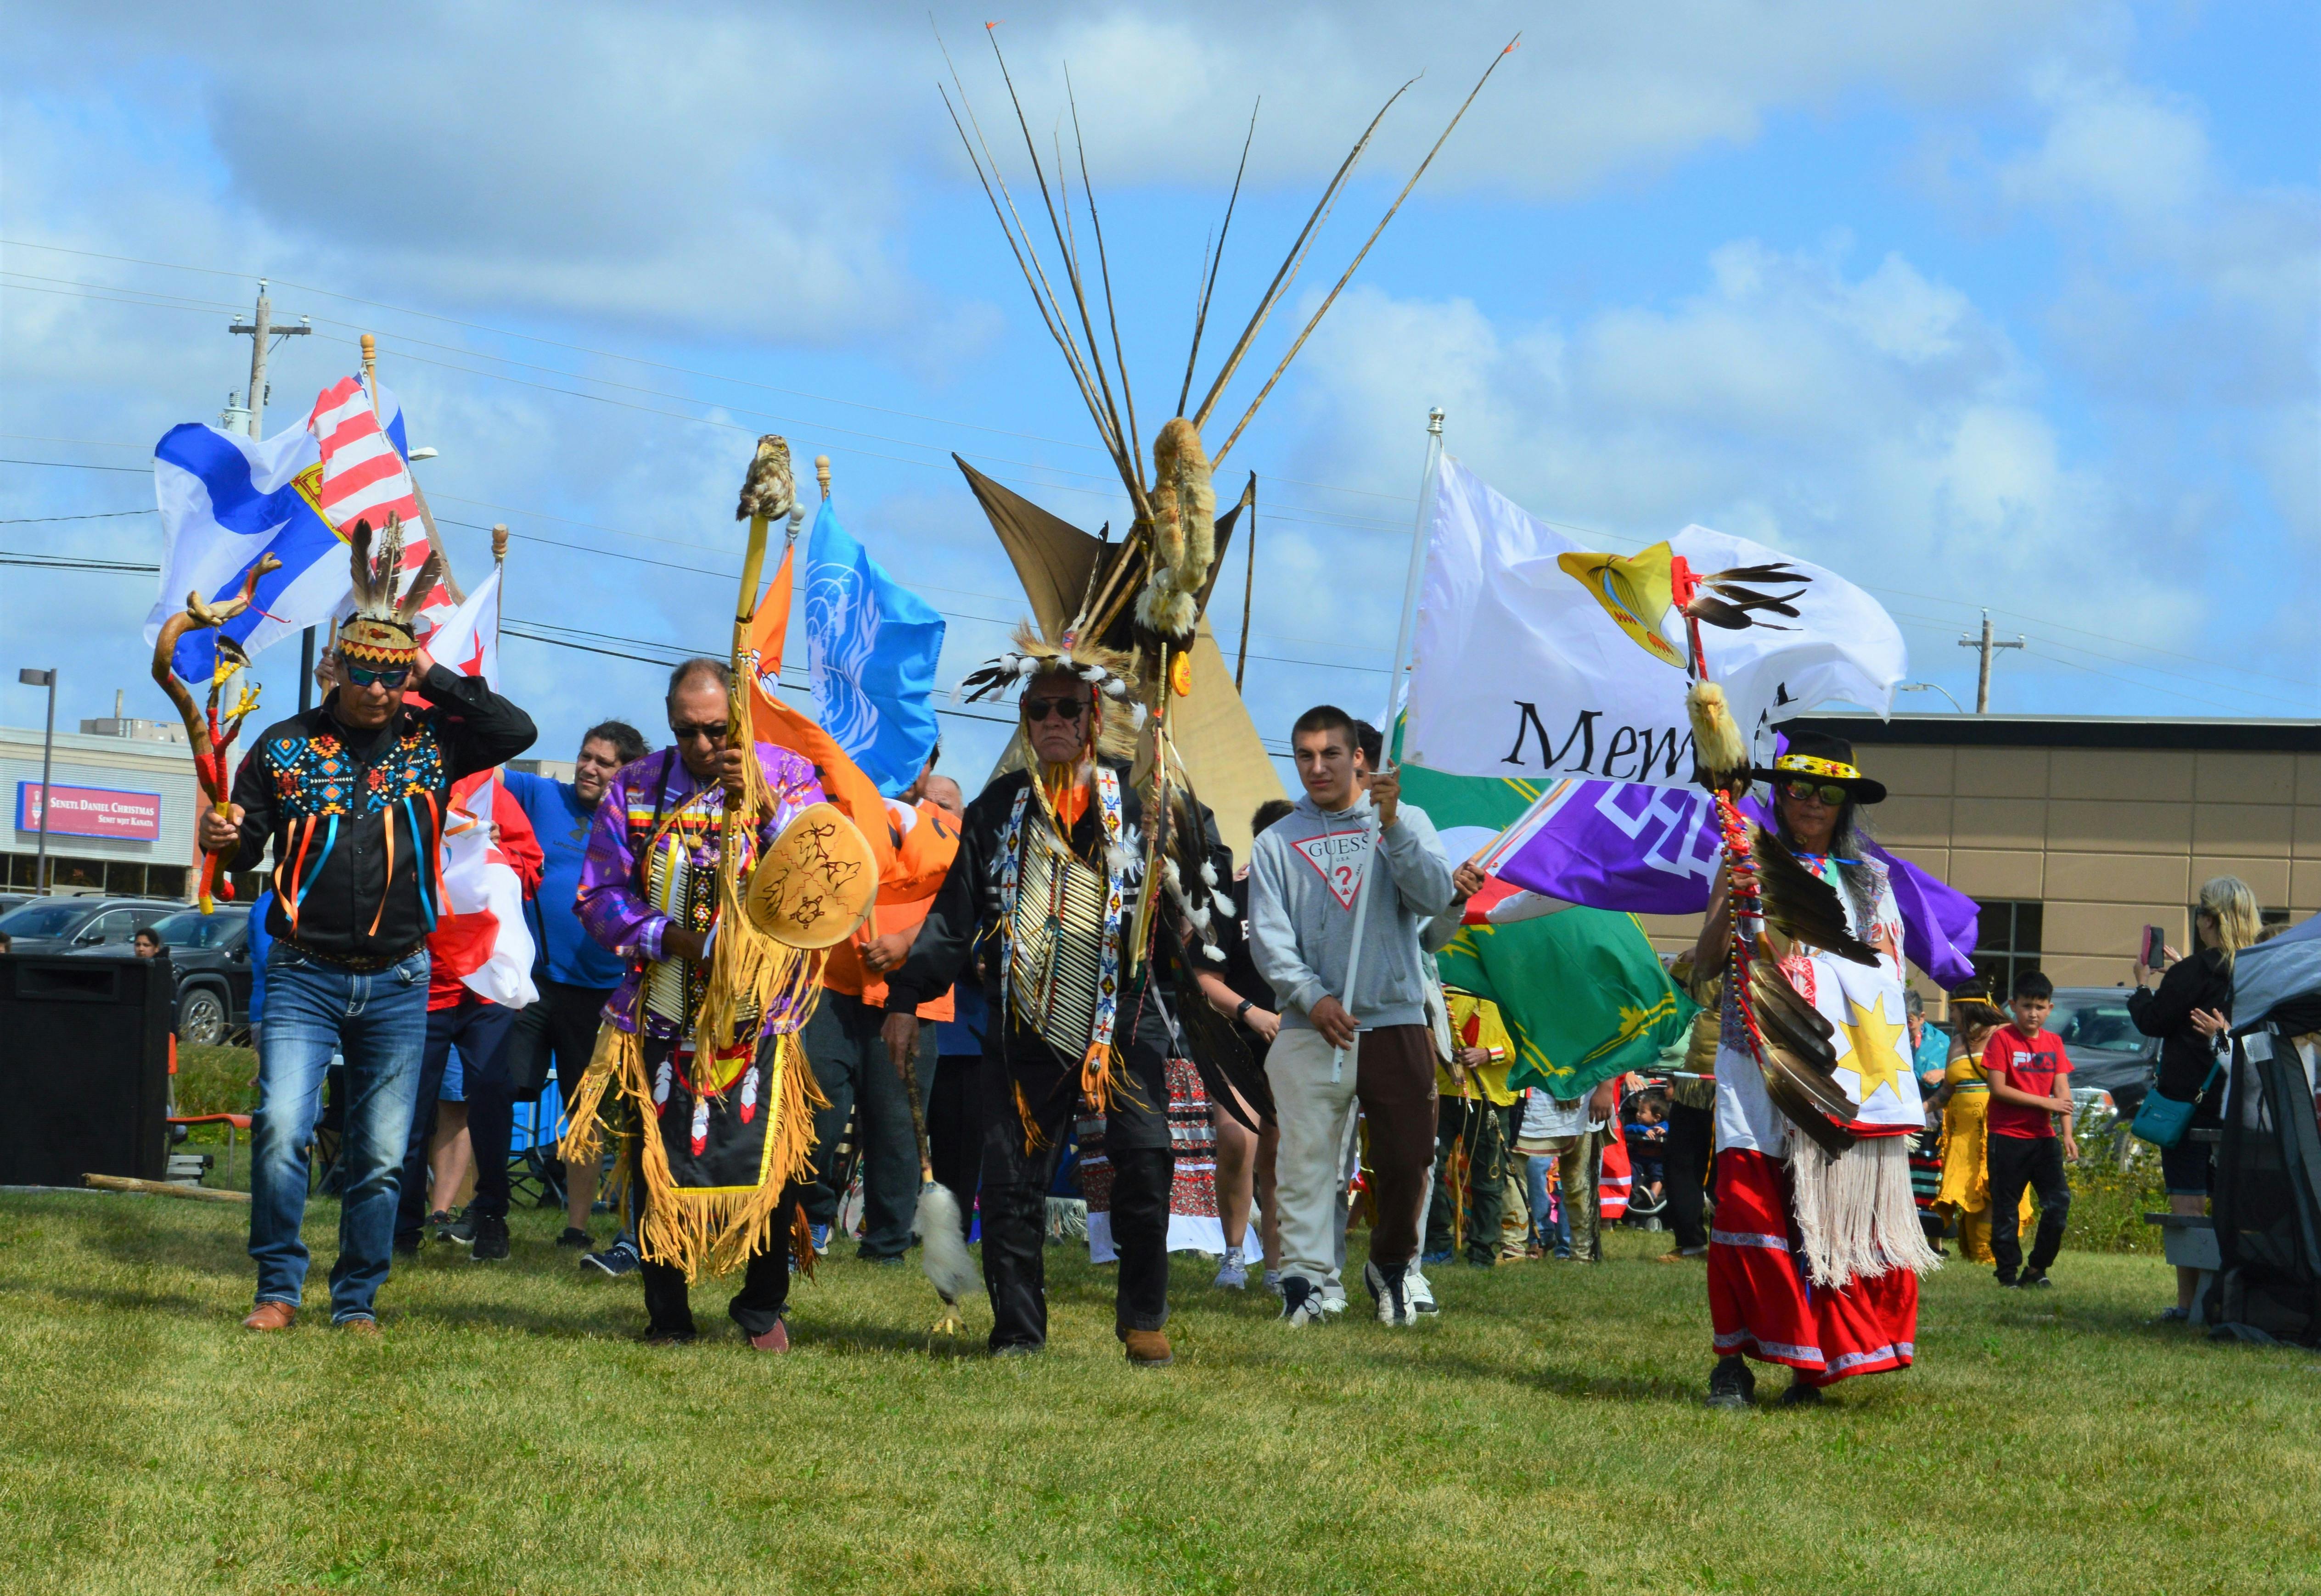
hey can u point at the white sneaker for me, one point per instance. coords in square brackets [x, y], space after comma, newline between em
[1301, 1304]
[1422, 1294]
[1273, 1281]
[1391, 1293]
[1334, 1302]
[1233, 1275]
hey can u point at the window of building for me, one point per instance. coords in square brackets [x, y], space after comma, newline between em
[2006, 941]
[116, 878]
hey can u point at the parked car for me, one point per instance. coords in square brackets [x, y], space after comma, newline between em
[209, 953]
[9, 900]
[2106, 1049]
[62, 925]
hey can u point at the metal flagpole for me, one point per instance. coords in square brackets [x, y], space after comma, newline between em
[1408, 620]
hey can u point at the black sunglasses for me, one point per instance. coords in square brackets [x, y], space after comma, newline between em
[1036, 710]
[714, 730]
[391, 677]
[1833, 796]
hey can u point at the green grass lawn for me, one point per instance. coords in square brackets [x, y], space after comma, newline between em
[507, 1433]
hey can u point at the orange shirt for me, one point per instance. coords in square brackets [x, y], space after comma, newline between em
[925, 841]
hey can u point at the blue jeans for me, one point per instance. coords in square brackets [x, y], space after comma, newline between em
[1545, 1233]
[378, 1023]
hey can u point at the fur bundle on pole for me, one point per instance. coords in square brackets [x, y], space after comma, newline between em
[1184, 531]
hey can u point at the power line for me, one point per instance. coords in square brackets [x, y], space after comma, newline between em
[535, 337]
[1304, 515]
[20, 520]
[75, 466]
[65, 562]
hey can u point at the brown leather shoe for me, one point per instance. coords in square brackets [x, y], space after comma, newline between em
[1149, 1349]
[360, 1324]
[777, 1339]
[270, 1316]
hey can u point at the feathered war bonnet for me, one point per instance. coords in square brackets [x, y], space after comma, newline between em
[379, 631]
[1108, 672]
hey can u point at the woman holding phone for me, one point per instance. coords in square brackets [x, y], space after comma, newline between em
[2191, 1010]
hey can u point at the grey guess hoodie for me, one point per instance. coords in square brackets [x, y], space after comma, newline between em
[1301, 922]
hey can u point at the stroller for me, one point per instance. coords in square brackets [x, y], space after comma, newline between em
[1648, 1202]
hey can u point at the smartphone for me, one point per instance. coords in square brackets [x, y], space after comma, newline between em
[2155, 947]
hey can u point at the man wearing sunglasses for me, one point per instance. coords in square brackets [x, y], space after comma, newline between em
[350, 795]
[677, 800]
[1043, 883]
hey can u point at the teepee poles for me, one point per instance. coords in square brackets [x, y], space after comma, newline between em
[1250, 414]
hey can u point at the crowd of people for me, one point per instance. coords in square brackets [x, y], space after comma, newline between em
[995, 991]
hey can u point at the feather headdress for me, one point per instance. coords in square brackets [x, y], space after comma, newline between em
[379, 631]
[1108, 672]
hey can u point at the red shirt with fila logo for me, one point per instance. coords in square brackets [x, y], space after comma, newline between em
[2028, 1064]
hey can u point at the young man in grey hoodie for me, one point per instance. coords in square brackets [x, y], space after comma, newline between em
[1304, 876]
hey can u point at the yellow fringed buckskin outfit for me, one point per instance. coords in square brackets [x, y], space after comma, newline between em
[716, 1113]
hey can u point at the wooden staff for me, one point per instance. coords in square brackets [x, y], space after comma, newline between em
[212, 734]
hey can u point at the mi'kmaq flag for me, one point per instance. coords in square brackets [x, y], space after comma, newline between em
[481, 935]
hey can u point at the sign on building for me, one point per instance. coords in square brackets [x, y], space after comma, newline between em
[91, 811]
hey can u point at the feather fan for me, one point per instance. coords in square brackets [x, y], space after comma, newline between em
[1798, 1058]
[1801, 905]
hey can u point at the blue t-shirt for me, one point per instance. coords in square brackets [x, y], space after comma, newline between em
[259, 943]
[1932, 1055]
[962, 1037]
[561, 821]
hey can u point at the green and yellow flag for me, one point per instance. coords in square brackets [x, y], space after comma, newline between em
[1582, 992]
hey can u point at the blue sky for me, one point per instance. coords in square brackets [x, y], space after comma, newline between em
[2005, 304]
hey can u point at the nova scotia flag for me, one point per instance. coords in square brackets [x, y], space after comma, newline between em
[872, 647]
[227, 501]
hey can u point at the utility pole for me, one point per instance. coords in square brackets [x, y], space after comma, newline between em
[43, 679]
[1988, 648]
[258, 330]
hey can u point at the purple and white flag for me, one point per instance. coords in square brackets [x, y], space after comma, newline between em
[1654, 850]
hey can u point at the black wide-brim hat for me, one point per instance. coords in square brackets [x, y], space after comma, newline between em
[1816, 755]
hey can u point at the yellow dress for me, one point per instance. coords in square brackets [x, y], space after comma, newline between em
[1966, 1158]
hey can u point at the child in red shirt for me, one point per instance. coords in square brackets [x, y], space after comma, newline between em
[2030, 1084]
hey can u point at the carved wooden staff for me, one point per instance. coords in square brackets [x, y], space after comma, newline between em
[212, 734]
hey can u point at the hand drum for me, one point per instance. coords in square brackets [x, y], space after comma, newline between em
[816, 885]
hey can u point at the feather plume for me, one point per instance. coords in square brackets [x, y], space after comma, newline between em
[1233, 1080]
[359, 560]
[423, 583]
[1715, 612]
[943, 1250]
[1716, 740]
[769, 489]
[1801, 905]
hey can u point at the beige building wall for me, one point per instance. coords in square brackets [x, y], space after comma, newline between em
[2106, 839]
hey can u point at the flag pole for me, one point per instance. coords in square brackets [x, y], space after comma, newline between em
[1406, 622]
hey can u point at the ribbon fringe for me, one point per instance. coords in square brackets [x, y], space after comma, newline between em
[713, 1232]
[1854, 1212]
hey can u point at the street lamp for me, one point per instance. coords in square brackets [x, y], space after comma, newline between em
[43, 679]
[1933, 687]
